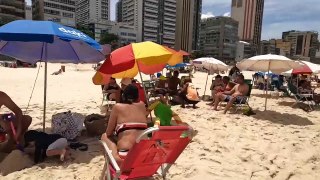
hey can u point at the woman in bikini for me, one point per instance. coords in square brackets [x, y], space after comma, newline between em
[127, 121]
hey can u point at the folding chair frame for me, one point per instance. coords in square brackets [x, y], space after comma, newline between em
[109, 159]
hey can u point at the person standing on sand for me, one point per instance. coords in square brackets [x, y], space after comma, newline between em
[21, 123]
[237, 94]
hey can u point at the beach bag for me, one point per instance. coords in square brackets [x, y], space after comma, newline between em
[96, 124]
[67, 124]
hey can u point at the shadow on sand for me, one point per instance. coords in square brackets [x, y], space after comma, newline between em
[282, 118]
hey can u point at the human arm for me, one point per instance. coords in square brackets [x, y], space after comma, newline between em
[7, 101]
[230, 92]
[112, 121]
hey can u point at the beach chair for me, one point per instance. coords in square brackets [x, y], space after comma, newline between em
[301, 97]
[155, 150]
[245, 101]
[150, 87]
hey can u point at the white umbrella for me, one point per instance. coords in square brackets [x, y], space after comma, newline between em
[308, 67]
[211, 64]
[267, 63]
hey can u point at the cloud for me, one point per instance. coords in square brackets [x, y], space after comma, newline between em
[227, 14]
[207, 15]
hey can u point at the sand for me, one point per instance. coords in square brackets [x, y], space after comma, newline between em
[280, 143]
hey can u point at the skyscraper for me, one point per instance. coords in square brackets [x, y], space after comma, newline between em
[218, 37]
[304, 44]
[11, 10]
[52, 10]
[119, 11]
[155, 20]
[249, 14]
[89, 11]
[188, 24]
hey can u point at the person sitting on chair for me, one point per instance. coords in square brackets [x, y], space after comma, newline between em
[189, 94]
[237, 94]
[173, 83]
[126, 122]
[21, 123]
[111, 89]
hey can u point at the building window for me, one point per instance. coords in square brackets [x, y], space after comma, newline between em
[234, 3]
[239, 4]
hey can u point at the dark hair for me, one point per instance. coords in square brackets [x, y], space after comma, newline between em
[133, 81]
[218, 76]
[241, 76]
[113, 78]
[176, 73]
[227, 78]
[130, 94]
[188, 80]
[31, 135]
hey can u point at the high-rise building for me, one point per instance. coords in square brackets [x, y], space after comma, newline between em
[303, 43]
[249, 14]
[127, 34]
[119, 11]
[219, 37]
[28, 15]
[62, 11]
[11, 10]
[267, 47]
[155, 20]
[283, 48]
[244, 50]
[188, 24]
[90, 11]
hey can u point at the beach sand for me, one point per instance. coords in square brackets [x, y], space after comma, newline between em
[280, 143]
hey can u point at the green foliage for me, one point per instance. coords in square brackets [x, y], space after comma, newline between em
[197, 54]
[86, 30]
[111, 39]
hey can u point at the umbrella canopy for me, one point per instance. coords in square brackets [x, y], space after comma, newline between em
[33, 41]
[128, 61]
[180, 65]
[307, 68]
[210, 64]
[269, 62]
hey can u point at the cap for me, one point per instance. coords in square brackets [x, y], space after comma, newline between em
[126, 81]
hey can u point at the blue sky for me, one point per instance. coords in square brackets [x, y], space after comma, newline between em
[279, 15]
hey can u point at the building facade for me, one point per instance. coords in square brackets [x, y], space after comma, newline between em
[28, 10]
[119, 11]
[267, 47]
[11, 10]
[60, 11]
[249, 14]
[154, 20]
[127, 34]
[100, 27]
[283, 48]
[188, 25]
[244, 50]
[219, 37]
[91, 11]
[303, 43]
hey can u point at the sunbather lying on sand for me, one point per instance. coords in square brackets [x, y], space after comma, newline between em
[126, 122]
[21, 123]
[46, 145]
[237, 94]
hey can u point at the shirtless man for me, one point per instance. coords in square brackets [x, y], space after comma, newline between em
[235, 95]
[20, 121]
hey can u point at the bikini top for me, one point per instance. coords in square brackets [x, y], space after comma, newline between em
[129, 126]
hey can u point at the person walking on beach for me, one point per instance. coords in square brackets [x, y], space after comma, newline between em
[21, 123]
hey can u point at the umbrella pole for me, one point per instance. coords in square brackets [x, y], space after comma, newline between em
[265, 105]
[45, 96]
[205, 88]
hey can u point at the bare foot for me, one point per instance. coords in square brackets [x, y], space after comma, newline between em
[62, 155]
[216, 109]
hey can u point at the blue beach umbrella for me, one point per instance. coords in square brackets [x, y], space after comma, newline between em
[180, 65]
[46, 41]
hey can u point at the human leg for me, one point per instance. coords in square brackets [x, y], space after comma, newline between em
[229, 105]
[113, 147]
[218, 98]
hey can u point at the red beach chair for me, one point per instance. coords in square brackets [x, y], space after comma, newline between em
[150, 155]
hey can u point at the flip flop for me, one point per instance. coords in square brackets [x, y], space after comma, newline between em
[80, 146]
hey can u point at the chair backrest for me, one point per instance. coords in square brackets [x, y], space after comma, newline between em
[248, 81]
[250, 89]
[292, 88]
[146, 156]
[149, 85]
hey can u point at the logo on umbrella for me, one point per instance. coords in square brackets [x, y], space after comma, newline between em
[79, 34]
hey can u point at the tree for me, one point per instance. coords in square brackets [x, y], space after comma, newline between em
[111, 39]
[86, 30]
[197, 54]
